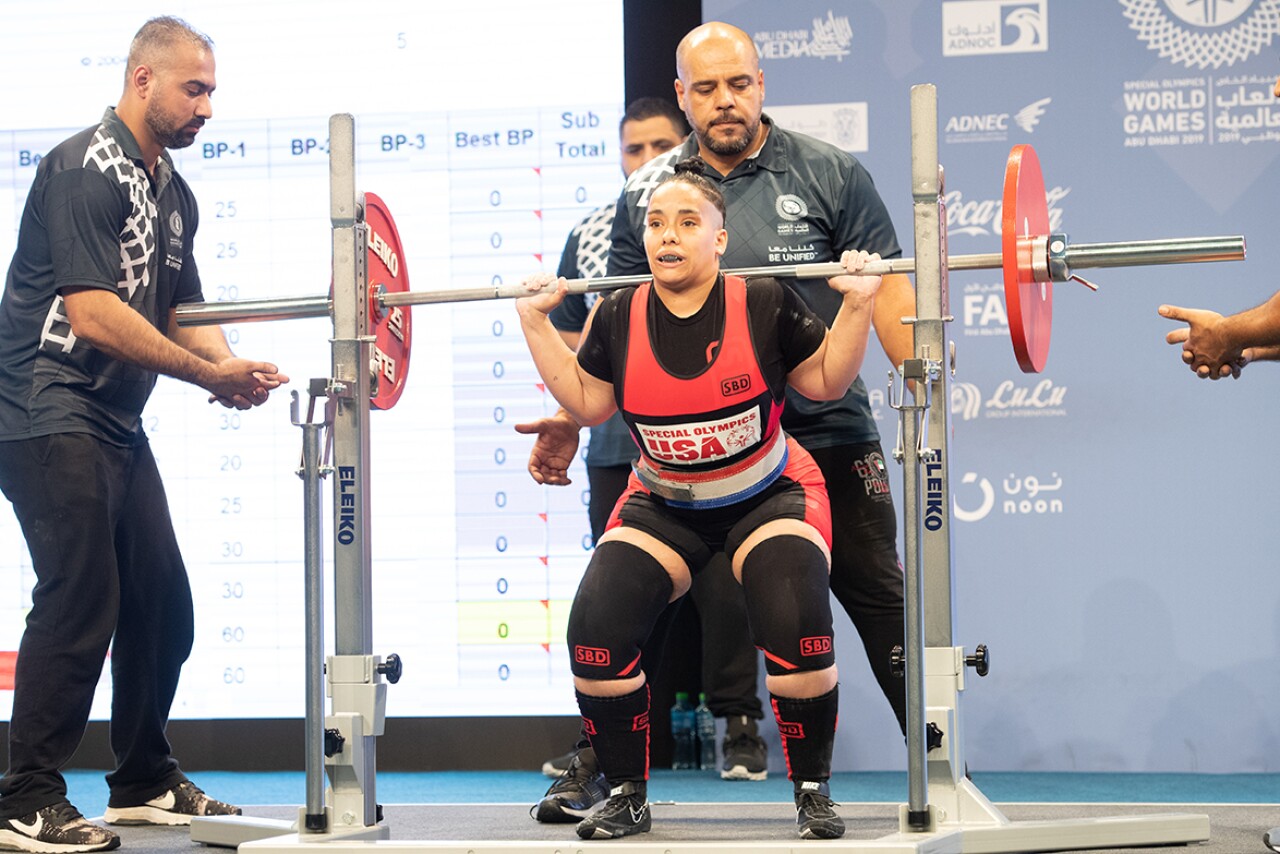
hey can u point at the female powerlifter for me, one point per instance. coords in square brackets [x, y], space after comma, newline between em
[698, 363]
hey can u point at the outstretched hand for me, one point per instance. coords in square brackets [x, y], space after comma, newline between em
[1206, 349]
[554, 449]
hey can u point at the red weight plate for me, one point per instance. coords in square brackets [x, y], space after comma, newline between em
[392, 329]
[1025, 216]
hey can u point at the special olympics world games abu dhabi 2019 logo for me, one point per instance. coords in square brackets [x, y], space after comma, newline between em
[1203, 33]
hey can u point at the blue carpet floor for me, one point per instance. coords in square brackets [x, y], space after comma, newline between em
[88, 791]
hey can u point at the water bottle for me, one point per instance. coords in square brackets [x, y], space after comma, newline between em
[705, 726]
[684, 753]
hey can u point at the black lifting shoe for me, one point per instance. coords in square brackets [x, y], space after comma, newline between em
[572, 797]
[626, 812]
[815, 815]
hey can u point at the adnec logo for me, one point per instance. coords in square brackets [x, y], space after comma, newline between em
[1203, 33]
[830, 37]
[977, 27]
[994, 127]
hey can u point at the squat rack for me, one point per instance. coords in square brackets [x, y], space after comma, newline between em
[945, 812]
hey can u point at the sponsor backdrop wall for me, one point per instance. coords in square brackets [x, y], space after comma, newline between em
[1114, 516]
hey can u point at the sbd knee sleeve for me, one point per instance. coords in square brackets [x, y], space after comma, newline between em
[789, 605]
[622, 593]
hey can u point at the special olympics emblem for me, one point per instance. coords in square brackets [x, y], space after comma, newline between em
[791, 207]
[1198, 35]
[175, 223]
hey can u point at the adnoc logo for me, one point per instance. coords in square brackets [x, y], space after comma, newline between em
[1201, 33]
[976, 27]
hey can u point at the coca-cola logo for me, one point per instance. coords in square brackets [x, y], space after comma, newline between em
[982, 217]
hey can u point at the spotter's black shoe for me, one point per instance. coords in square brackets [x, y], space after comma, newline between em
[626, 812]
[745, 755]
[557, 765]
[57, 829]
[815, 815]
[572, 797]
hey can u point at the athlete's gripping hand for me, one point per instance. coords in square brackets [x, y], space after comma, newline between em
[857, 287]
[545, 293]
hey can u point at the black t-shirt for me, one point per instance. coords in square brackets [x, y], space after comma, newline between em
[94, 218]
[784, 332]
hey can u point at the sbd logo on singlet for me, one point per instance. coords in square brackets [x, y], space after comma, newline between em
[815, 645]
[735, 385]
[591, 655]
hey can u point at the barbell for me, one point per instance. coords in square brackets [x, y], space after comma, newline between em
[1031, 259]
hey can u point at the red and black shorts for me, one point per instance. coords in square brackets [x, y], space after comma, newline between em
[799, 493]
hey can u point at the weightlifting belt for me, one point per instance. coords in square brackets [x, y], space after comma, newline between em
[720, 487]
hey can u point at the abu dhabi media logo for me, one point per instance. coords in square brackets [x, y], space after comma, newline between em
[1009, 400]
[979, 27]
[974, 498]
[829, 37]
[1204, 33]
[994, 127]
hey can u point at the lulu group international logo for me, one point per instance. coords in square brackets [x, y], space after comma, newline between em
[1204, 33]
[1010, 399]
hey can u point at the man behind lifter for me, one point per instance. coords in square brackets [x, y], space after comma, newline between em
[86, 323]
[787, 190]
